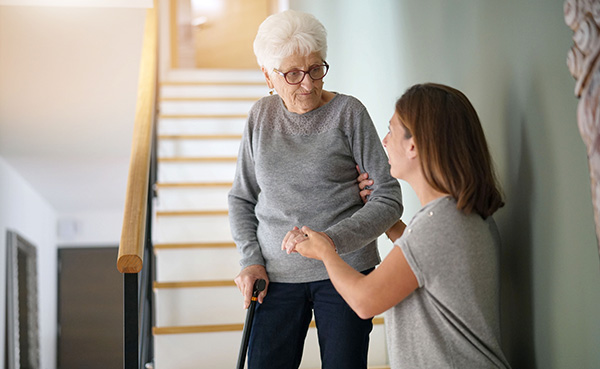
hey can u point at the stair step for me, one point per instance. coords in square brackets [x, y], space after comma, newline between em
[199, 159]
[192, 198]
[212, 83]
[214, 91]
[190, 264]
[203, 116]
[215, 74]
[222, 328]
[194, 284]
[206, 107]
[193, 245]
[193, 213]
[188, 229]
[193, 185]
[220, 349]
[200, 137]
[203, 125]
[210, 98]
[194, 148]
[194, 303]
[189, 171]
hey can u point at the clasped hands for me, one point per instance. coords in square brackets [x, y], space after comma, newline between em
[307, 243]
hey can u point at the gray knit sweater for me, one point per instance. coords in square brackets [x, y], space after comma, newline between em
[299, 169]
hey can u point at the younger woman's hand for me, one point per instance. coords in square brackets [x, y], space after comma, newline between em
[314, 245]
[363, 183]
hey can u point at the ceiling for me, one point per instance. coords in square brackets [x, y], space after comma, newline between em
[68, 86]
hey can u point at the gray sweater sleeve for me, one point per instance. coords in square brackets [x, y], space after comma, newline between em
[384, 206]
[242, 202]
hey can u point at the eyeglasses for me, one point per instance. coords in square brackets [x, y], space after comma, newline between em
[296, 76]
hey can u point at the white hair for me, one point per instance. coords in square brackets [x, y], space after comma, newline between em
[287, 33]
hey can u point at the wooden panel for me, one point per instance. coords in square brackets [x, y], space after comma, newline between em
[225, 39]
[90, 309]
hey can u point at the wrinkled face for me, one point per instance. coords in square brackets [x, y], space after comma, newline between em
[303, 97]
[399, 148]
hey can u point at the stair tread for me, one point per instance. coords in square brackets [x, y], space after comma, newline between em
[193, 184]
[211, 83]
[197, 158]
[212, 116]
[194, 284]
[200, 137]
[220, 327]
[166, 213]
[191, 245]
[215, 74]
[208, 98]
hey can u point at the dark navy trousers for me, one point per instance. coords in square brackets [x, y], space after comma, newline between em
[281, 323]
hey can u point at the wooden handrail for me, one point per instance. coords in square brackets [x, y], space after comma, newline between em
[131, 247]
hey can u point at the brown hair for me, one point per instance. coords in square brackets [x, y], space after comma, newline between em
[452, 148]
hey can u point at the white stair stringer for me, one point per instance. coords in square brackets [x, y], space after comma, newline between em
[198, 309]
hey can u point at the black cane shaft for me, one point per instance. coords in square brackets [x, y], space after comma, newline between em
[259, 286]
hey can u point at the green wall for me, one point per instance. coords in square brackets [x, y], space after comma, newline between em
[509, 57]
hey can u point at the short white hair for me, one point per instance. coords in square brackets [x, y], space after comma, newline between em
[287, 33]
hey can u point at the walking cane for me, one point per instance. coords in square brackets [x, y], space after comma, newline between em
[259, 286]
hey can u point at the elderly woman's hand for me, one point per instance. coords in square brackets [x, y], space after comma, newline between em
[291, 239]
[245, 282]
[296, 235]
[364, 181]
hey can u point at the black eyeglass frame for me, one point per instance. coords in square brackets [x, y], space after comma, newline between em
[305, 72]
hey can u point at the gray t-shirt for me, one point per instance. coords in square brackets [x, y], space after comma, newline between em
[300, 169]
[452, 319]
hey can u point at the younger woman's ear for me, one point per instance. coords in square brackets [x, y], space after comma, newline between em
[411, 148]
[267, 77]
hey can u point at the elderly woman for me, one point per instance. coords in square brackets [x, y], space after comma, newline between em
[297, 165]
[441, 281]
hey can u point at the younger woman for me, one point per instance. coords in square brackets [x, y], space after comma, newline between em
[441, 281]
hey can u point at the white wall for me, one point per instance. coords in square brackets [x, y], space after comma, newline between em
[509, 57]
[24, 211]
[90, 229]
[68, 88]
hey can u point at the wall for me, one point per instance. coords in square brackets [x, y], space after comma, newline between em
[68, 86]
[90, 229]
[509, 58]
[23, 210]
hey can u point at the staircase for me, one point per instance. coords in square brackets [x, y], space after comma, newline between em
[199, 314]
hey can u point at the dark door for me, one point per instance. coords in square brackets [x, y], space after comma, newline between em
[90, 309]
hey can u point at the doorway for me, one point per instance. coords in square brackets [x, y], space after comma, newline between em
[22, 330]
[90, 308]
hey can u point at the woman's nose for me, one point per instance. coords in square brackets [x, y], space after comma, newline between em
[307, 82]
